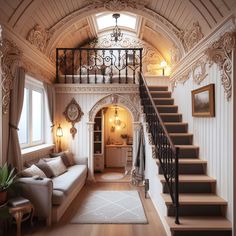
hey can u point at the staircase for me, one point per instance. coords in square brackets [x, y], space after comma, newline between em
[201, 211]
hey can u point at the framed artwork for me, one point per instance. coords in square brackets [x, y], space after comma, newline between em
[203, 101]
[73, 114]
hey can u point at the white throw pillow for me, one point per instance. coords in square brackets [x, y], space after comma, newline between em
[57, 166]
[33, 171]
[48, 159]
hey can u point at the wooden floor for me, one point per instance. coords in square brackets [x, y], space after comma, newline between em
[153, 228]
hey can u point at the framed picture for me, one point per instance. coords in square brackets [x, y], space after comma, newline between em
[203, 101]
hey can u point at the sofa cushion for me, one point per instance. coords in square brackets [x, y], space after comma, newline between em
[32, 171]
[57, 166]
[42, 165]
[69, 180]
[57, 197]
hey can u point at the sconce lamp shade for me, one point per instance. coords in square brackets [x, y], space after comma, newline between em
[59, 131]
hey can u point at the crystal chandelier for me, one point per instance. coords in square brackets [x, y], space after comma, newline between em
[116, 34]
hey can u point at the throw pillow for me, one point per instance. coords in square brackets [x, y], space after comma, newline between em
[42, 165]
[51, 158]
[32, 171]
[57, 166]
[70, 157]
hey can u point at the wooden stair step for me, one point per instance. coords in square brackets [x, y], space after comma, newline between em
[196, 199]
[163, 101]
[157, 88]
[181, 138]
[167, 108]
[188, 224]
[191, 179]
[188, 151]
[160, 94]
[171, 117]
[176, 127]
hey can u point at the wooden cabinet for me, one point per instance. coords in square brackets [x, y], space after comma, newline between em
[98, 142]
[117, 155]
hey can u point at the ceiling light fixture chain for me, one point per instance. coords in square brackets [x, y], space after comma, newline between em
[116, 34]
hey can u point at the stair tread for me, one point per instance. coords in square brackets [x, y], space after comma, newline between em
[189, 161]
[160, 92]
[180, 134]
[175, 123]
[157, 86]
[199, 223]
[170, 114]
[166, 106]
[192, 178]
[163, 98]
[187, 146]
[196, 199]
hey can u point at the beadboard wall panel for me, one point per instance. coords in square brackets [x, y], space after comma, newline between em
[213, 135]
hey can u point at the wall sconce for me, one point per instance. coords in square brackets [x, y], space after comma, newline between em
[59, 134]
[163, 66]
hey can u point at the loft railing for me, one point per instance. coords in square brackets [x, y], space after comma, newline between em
[98, 65]
[166, 152]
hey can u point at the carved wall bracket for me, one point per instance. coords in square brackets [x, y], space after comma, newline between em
[11, 56]
[220, 52]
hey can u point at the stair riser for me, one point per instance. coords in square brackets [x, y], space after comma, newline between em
[192, 188]
[161, 95]
[197, 210]
[177, 128]
[202, 233]
[191, 169]
[189, 153]
[184, 140]
[167, 109]
[158, 88]
[164, 102]
[171, 118]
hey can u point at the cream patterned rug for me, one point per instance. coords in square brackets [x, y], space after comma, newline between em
[112, 176]
[111, 207]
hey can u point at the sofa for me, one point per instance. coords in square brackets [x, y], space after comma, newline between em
[52, 196]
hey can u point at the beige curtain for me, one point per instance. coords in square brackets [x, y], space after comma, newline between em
[50, 92]
[16, 104]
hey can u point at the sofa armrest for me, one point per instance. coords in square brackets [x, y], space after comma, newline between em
[39, 192]
[81, 160]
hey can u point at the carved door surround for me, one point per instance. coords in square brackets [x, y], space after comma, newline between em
[130, 103]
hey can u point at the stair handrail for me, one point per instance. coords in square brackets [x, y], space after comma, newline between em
[162, 153]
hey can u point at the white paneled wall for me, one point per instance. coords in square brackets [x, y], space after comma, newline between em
[213, 135]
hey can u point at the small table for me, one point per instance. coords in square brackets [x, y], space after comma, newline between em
[18, 213]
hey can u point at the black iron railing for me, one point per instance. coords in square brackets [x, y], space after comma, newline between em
[98, 65]
[166, 152]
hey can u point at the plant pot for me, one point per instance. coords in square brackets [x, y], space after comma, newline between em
[3, 197]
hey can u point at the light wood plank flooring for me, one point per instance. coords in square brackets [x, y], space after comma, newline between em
[153, 228]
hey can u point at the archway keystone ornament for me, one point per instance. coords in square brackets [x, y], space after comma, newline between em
[73, 114]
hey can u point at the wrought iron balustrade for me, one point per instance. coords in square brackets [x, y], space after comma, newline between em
[98, 65]
[166, 152]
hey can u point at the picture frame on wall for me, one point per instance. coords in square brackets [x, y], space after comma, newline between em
[203, 101]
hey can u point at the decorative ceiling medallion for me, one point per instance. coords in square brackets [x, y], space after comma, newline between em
[73, 114]
[11, 56]
[39, 37]
[192, 36]
[220, 52]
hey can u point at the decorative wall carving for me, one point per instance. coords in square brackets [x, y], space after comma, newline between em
[118, 100]
[10, 60]
[192, 36]
[220, 52]
[39, 37]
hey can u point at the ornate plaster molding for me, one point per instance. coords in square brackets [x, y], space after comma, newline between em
[192, 36]
[116, 99]
[97, 88]
[11, 56]
[220, 52]
[39, 37]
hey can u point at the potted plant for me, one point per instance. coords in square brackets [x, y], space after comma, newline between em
[7, 178]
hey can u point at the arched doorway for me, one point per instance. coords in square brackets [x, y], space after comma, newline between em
[111, 102]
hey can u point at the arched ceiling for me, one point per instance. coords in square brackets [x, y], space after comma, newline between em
[163, 23]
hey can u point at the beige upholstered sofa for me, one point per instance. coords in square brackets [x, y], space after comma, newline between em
[52, 196]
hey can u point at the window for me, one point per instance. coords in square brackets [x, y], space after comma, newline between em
[105, 20]
[31, 125]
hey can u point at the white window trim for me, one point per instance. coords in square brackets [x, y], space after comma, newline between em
[33, 84]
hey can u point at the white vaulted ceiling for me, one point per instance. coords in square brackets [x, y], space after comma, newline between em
[70, 23]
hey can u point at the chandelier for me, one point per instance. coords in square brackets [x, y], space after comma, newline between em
[118, 124]
[116, 34]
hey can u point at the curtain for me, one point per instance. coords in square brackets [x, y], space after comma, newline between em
[16, 104]
[50, 92]
[138, 172]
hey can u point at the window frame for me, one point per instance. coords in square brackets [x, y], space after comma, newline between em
[34, 85]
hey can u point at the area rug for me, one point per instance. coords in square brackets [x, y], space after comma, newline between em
[111, 207]
[112, 176]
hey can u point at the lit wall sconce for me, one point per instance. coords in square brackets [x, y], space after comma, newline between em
[59, 134]
[163, 66]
